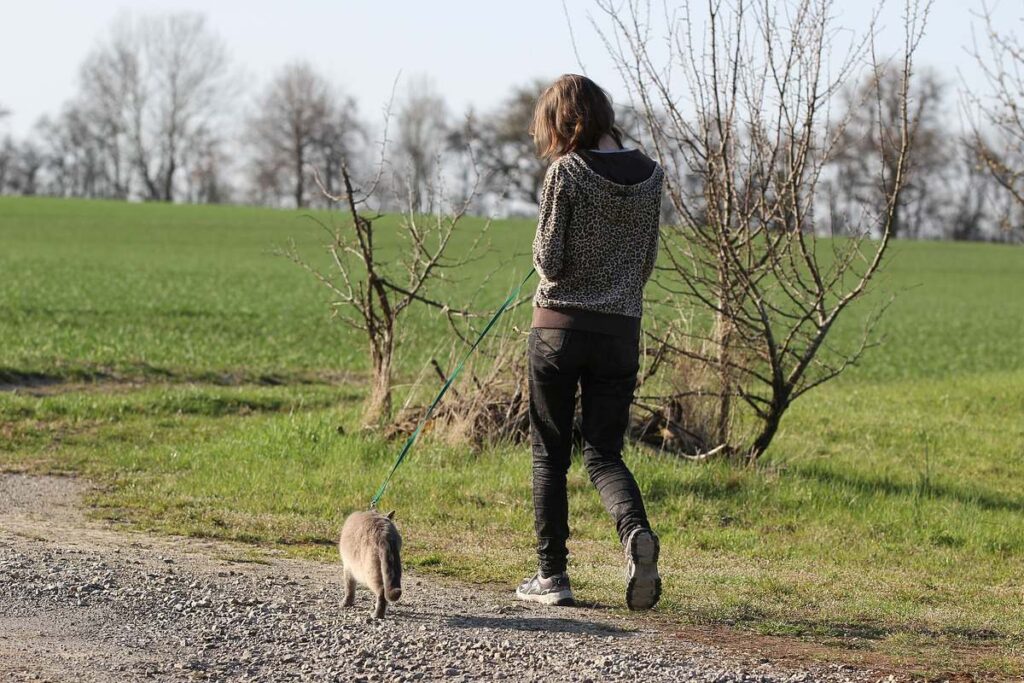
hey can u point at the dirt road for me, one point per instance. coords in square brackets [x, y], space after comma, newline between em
[80, 601]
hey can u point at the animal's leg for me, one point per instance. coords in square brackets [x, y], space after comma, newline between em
[382, 605]
[350, 589]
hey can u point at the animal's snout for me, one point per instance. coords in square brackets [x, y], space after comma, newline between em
[394, 594]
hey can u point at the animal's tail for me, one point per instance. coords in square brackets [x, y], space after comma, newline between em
[391, 570]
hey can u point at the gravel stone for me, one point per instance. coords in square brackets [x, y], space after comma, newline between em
[80, 601]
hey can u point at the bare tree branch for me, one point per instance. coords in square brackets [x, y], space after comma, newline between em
[744, 147]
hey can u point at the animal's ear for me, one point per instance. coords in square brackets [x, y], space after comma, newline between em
[390, 515]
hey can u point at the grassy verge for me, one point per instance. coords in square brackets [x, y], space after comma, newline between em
[839, 542]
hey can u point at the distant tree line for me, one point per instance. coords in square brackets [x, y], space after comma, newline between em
[161, 114]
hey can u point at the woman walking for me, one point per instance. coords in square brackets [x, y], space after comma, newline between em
[595, 247]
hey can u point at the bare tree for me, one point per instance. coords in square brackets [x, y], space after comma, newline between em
[8, 153]
[870, 133]
[206, 162]
[340, 140]
[61, 158]
[26, 168]
[8, 156]
[503, 147]
[159, 83]
[975, 208]
[422, 120]
[289, 118]
[370, 290]
[760, 294]
[500, 142]
[302, 123]
[996, 120]
[464, 140]
[75, 159]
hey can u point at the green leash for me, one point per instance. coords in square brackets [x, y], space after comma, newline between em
[444, 389]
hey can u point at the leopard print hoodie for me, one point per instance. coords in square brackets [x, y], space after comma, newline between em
[596, 240]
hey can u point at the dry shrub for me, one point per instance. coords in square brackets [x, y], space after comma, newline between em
[676, 409]
[678, 406]
[680, 420]
[489, 402]
[494, 405]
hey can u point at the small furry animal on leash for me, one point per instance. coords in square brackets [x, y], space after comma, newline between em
[371, 549]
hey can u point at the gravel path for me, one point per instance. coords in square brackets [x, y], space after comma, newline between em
[82, 602]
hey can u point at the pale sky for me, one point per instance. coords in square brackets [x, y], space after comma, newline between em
[474, 50]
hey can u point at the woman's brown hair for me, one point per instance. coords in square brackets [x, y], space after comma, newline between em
[573, 113]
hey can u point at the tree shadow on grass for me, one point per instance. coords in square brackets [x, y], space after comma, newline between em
[14, 379]
[906, 490]
[861, 630]
[985, 500]
[718, 488]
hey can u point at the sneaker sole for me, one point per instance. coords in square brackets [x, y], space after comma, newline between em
[559, 599]
[643, 589]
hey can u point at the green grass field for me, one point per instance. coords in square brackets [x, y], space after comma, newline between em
[887, 520]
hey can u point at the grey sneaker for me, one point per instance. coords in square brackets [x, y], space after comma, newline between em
[643, 584]
[553, 590]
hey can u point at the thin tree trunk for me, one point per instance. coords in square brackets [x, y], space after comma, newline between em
[168, 192]
[768, 428]
[724, 339]
[378, 404]
[300, 183]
